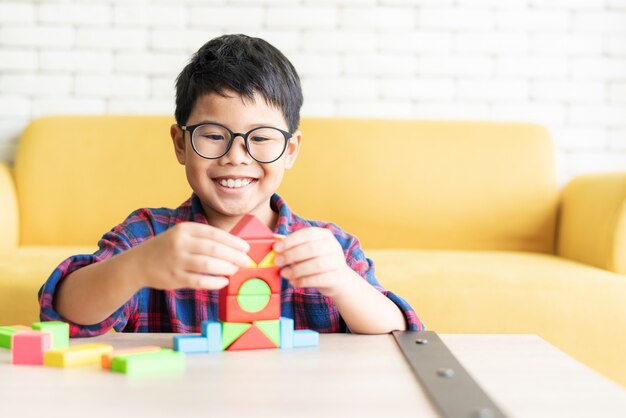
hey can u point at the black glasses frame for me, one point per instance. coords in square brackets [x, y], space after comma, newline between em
[233, 135]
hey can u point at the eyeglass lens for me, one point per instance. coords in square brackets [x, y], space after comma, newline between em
[264, 144]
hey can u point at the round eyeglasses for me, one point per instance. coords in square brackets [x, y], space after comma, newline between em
[265, 144]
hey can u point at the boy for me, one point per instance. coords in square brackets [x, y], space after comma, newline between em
[237, 114]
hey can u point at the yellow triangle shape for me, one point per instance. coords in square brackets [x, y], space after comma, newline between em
[268, 260]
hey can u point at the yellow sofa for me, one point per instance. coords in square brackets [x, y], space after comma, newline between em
[463, 219]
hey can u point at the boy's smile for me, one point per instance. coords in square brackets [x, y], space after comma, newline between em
[234, 184]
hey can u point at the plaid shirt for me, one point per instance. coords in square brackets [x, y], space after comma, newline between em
[182, 310]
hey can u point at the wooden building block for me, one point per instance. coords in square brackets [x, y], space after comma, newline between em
[191, 344]
[306, 338]
[271, 329]
[269, 275]
[231, 331]
[229, 310]
[163, 361]
[7, 331]
[60, 332]
[286, 332]
[252, 339]
[107, 358]
[28, 347]
[251, 227]
[77, 355]
[212, 331]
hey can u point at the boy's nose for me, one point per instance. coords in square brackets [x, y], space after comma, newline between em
[237, 153]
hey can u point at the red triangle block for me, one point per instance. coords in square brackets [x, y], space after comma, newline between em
[251, 227]
[259, 248]
[252, 339]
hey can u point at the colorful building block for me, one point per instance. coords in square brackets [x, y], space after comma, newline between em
[231, 331]
[60, 332]
[286, 332]
[150, 363]
[250, 227]
[191, 344]
[28, 347]
[8, 331]
[212, 331]
[268, 260]
[107, 358]
[306, 338]
[271, 329]
[271, 276]
[230, 311]
[252, 339]
[259, 248]
[77, 355]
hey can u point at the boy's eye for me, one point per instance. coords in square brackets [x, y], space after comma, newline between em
[260, 139]
[214, 137]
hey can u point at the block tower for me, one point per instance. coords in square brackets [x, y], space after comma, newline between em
[249, 307]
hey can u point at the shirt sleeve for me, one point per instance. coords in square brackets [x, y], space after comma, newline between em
[112, 243]
[356, 259]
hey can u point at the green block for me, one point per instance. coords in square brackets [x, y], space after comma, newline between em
[256, 287]
[150, 363]
[60, 332]
[252, 303]
[231, 331]
[5, 336]
[271, 329]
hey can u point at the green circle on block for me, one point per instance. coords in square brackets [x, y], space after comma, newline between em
[254, 295]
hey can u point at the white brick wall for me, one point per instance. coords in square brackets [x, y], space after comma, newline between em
[561, 63]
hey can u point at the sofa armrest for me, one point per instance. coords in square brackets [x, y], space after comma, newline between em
[592, 221]
[9, 218]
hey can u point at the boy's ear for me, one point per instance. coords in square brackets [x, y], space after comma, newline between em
[178, 137]
[293, 148]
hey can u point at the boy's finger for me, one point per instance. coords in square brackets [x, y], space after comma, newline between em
[199, 230]
[219, 250]
[209, 265]
[305, 251]
[202, 281]
[310, 267]
[301, 236]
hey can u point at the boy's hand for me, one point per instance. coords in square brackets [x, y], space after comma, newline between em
[190, 255]
[312, 257]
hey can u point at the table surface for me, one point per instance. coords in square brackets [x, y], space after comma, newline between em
[347, 375]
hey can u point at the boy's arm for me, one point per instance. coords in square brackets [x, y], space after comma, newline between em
[189, 255]
[312, 257]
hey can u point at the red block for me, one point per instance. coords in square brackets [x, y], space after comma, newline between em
[230, 311]
[259, 248]
[28, 347]
[271, 276]
[251, 227]
[252, 339]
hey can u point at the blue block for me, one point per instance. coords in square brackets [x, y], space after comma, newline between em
[306, 338]
[286, 332]
[191, 344]
[212, 331]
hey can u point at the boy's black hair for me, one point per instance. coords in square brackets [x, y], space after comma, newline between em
[245, 65]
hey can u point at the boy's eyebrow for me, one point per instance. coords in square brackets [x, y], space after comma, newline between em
[255, 125]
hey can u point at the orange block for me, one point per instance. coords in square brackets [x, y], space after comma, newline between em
[230, 311]
[107, 358]
[252, 339]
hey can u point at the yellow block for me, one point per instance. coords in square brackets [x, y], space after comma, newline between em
[251, 264]
[268, 260]
[77, 355]
[107, 358]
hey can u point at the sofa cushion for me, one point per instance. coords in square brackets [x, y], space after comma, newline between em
[511, 292]
[22, 272]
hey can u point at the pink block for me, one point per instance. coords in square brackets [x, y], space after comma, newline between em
[28, 347]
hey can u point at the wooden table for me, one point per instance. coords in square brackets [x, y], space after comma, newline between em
[348, 375]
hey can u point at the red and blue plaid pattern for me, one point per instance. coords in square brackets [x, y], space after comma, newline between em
[183, 310]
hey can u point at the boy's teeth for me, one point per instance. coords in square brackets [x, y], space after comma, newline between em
[233, 184]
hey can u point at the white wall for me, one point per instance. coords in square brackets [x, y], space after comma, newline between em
[561, 63]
